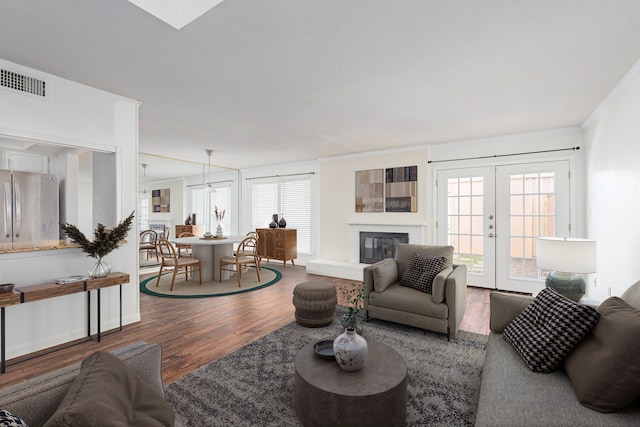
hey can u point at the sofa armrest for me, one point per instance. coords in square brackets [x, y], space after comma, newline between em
[456, 297]
[504, 308]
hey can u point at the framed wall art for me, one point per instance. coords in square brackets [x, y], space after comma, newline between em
[370, 190]
[401, 189]
[160, 200]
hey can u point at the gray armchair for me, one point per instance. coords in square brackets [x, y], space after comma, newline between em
[441, 311]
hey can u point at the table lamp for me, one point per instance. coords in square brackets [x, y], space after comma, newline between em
[567, 256]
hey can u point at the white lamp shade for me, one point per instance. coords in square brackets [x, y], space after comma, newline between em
[567, 255]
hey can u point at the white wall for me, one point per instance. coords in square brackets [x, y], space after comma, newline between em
[77, 116]
[612, 136]
[337, 197]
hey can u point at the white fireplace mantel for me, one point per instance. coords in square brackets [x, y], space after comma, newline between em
[352, 268]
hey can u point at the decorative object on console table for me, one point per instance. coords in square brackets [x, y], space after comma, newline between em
[278, 243]
[567, 256]
[104, 241]
[193, 219]
[188, 220]
[274, 222]
[282, 223]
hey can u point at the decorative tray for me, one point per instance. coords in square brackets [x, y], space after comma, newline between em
[324, 349]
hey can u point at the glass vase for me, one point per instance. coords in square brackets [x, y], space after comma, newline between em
[99, 269]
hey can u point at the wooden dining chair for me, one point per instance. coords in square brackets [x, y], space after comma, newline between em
[171, 261]
[251, 248]
[245, 256]
[184, 250]
[148, 243]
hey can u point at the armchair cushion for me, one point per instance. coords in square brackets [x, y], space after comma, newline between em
[604, 368]
[385, 274]
[421, 271]
[548, 329]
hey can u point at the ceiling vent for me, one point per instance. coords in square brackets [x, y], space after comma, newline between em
[22, 84]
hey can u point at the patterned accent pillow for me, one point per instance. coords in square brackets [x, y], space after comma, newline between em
[421, 271]
[7, 419]
[548, 329]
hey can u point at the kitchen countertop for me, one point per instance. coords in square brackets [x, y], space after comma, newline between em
[45, 245]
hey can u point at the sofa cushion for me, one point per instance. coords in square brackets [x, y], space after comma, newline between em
[385, 274]
[604, 368]
[7, 419]
[548, 329]
[421, 271]
[107, 392]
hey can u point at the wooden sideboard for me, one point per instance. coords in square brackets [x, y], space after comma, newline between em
[278, 243]
[196, 230]
[29, 293]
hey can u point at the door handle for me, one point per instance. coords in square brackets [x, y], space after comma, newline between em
[7, 209]
[18, 208]
[491, 235]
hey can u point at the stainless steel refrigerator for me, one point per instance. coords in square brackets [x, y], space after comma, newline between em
[29, 207]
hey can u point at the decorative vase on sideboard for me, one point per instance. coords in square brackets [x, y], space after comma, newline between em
[351, 350]
[282, 223]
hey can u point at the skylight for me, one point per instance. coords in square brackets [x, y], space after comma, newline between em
[176, 13]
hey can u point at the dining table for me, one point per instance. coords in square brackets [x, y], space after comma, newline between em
[209, 251]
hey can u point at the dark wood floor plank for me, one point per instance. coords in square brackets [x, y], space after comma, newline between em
[194, 332]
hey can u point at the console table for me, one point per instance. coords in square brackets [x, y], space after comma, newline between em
[30, 293]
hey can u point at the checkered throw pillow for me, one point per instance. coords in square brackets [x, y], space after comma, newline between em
[9, 420]
[421, 271]
[548, 329]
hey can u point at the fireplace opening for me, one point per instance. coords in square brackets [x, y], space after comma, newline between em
[376, 246]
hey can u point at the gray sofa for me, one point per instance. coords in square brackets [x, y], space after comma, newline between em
[36, 400]
[513, 395]
[441, 311]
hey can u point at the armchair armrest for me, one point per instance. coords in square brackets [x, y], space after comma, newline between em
[504, 308]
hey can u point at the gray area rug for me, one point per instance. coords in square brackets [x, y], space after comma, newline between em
[254, 386]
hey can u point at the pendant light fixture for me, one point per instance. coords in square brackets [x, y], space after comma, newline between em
[209, 187]
[145, 192]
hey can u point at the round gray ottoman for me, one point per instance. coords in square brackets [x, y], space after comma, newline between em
[315, 303]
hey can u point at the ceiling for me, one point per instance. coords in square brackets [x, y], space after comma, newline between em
[278, 81]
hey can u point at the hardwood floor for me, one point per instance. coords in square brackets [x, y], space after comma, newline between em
[193, 332]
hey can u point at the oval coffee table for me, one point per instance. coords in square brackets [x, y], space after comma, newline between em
[376, 395]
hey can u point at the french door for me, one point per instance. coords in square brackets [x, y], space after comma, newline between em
[493, 215]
